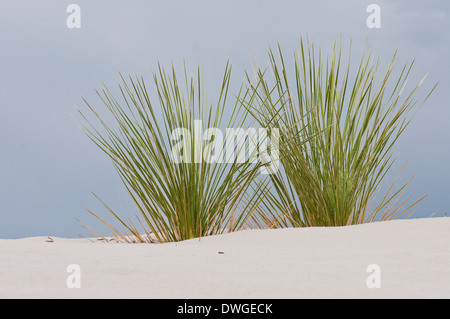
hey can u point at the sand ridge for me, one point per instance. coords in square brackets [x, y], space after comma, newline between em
[321, 262]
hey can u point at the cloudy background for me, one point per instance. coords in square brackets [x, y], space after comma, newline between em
[48, 167]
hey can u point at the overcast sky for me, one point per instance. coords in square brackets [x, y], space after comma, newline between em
[48, 167]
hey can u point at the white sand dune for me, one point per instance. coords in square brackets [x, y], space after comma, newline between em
[413, 256]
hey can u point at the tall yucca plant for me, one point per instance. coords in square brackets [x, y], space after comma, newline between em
[338, 133]
[176, 199]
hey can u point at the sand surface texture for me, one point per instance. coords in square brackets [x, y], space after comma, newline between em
[413, 257]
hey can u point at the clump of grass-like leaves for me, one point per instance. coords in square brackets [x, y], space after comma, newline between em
[176, 200]
[339, 130]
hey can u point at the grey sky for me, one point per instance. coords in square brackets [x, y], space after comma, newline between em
[48, 166]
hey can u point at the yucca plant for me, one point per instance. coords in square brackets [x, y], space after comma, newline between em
[339, 129]
[179, 195]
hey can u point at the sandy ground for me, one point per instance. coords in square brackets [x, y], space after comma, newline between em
[413, 258]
